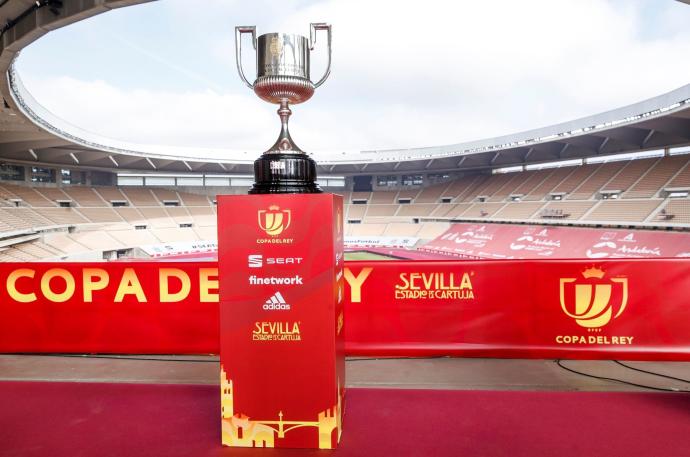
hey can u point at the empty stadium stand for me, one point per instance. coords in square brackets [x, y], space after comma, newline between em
[80, 221]
[77, 221]
[655, 179]
[644, 192]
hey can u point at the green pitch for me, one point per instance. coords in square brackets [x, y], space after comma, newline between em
[364, 255]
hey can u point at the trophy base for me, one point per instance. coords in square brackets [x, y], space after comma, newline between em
[285, 173]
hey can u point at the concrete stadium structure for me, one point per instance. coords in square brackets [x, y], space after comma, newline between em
[32, 135]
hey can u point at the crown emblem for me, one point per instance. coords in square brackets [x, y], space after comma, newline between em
[276, 46]
[593, 272]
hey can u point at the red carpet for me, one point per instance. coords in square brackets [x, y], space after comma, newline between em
[123, 420]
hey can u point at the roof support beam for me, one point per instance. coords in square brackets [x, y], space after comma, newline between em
[563, 149]
[527, 154]
[151, 163]
[603, 143]
[112, 159]
[33, 154]
[461, 161]
[676, 126]
[74, 157]
[648, 137]
[627, 138]
[428, 164]
[493, 159]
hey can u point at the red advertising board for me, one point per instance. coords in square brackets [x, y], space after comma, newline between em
[516, 308]
[280, 264]
[138, 307]
[505, 241]
[633, 309]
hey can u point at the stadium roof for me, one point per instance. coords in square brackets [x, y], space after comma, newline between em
[31, 134]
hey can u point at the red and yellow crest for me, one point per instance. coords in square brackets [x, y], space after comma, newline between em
[274, 221]
[595, 301]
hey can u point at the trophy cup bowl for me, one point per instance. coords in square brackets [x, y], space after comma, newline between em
[283, 78]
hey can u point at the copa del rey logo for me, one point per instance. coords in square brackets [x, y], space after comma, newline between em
[593, 302]
[274, 221]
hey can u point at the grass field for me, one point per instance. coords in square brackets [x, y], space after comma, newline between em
[365, 255]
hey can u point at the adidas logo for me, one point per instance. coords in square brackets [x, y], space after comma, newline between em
[276, 303]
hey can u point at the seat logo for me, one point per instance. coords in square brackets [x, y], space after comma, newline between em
[255, 261]
[274, 221]
[589, 300]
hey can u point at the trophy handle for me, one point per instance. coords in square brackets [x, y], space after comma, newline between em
[313, 27]
[238, 49]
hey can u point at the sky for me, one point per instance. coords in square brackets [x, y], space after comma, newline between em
[405, 74]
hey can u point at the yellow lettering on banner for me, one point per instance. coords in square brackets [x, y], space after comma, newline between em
[466, 283]
[406, 283]
[594, 339]
[164, 274]
[12, 285]
[206, 283]
[356, 282]
[69, 285]
[130, 285]
[94, 279]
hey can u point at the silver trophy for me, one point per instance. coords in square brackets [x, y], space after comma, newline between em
[282, 67]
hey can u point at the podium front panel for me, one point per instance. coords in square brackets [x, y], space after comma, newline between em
[280, 260]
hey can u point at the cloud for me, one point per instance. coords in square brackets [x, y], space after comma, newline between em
[155, 117]
[405, 74]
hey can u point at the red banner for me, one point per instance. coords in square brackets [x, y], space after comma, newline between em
[505, 241]
[634, 308]
[139, 307]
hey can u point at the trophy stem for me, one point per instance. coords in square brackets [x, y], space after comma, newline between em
[284, 168]
[284, 143]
